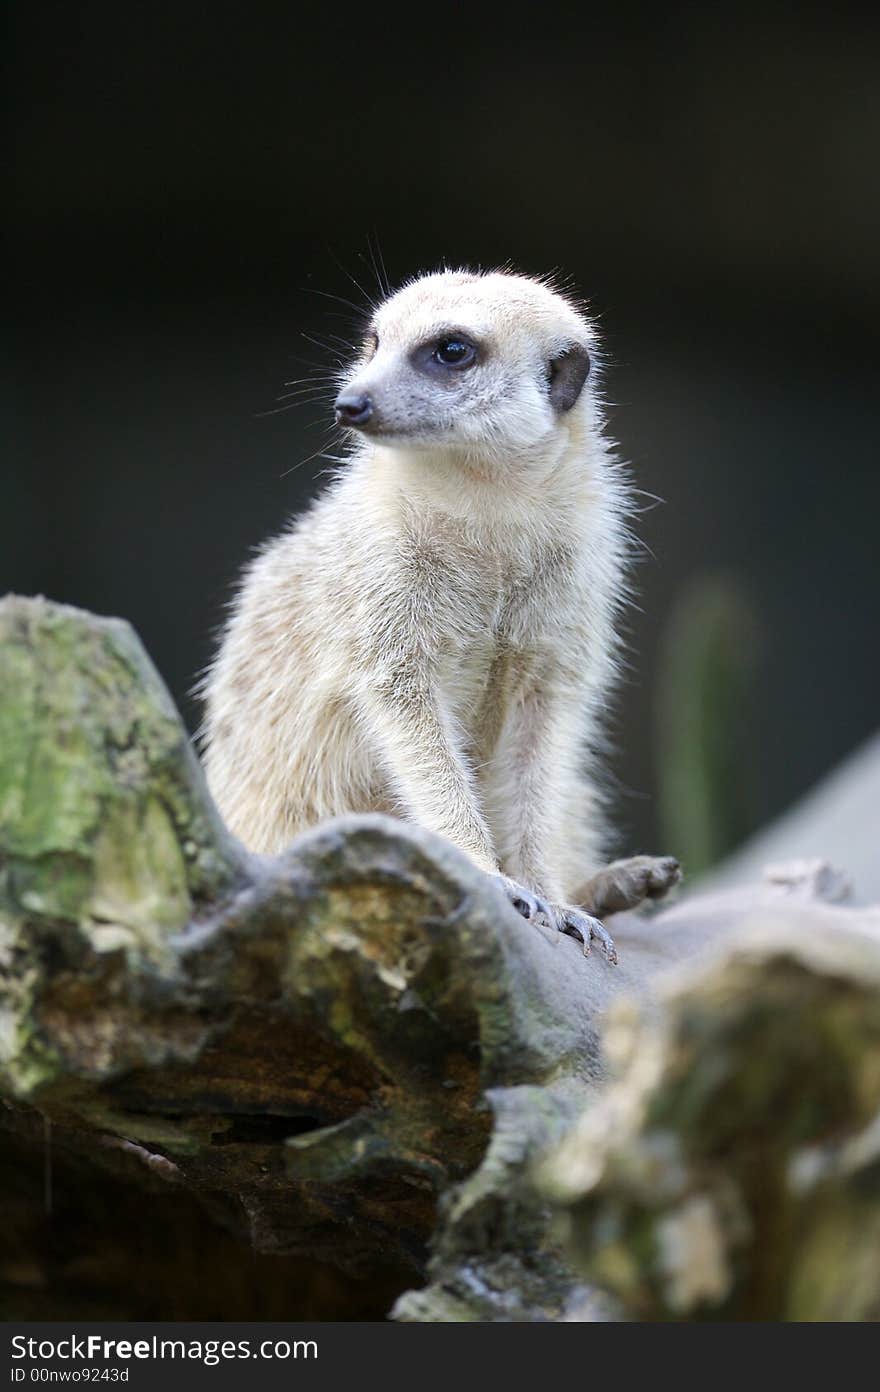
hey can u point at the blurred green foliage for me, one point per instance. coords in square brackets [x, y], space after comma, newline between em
[705, 759]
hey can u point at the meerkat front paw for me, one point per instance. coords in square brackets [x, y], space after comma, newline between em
[575, 923]
[524, 900]
[559, 918]
[624, 884]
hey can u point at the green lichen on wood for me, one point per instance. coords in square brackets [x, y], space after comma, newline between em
[104, 820]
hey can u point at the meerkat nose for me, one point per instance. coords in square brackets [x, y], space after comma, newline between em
[353, 408]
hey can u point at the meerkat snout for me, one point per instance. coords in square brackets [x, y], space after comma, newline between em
[353, 408]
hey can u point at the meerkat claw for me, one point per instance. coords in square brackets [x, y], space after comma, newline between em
[570, 921]
[530, 905]
[577, 924]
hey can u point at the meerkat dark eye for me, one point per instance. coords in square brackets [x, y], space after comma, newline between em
[454, 352]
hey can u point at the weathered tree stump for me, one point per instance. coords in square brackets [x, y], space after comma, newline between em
[353, 1053]
[307, 1042]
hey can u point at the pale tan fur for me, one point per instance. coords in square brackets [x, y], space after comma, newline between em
[435, 637]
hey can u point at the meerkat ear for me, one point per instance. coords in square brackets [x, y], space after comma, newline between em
[566, 374]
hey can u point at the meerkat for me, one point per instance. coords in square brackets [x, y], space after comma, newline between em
[435, 638]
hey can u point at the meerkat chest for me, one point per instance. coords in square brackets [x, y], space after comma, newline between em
[516, 605]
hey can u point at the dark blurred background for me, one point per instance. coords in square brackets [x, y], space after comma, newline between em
[184, 177]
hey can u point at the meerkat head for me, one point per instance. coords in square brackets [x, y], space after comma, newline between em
[487, 365]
